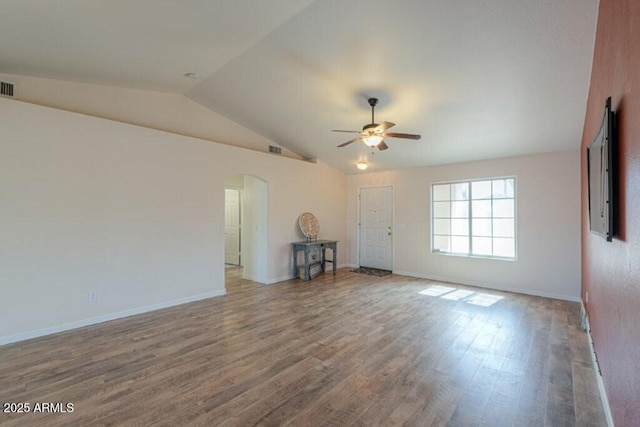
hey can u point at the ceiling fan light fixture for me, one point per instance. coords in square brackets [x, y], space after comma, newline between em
[373, 133]
[372, 140]
[362, 165]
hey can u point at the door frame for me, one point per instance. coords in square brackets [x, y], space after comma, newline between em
[255, 264]
[393, 220]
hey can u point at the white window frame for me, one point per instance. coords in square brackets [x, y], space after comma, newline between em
[470, 218]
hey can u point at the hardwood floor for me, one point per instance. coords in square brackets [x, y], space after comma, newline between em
[346, 350]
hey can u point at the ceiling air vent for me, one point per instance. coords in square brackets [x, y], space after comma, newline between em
[7, 89]
[275, 150]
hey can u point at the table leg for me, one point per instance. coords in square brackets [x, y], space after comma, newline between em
[335, 258]
[324, 258]
[295, 262]
[307, 275]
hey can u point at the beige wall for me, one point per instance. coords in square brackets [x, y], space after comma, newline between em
[548, 233]
[134, 214]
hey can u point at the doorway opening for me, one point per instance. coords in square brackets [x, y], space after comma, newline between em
[232, 227]
[245, 230]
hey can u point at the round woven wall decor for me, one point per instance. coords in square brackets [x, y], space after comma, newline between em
[309, 225]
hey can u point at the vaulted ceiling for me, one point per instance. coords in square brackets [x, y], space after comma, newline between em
[477, 79]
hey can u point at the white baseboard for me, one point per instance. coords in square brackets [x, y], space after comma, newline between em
[280, 279]
[603, 393]
[253, 278]
[490, 286]
[106, 317]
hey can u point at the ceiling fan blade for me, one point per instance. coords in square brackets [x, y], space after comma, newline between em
[402, 135]
[349, 142]
[382, 146]
[347, 131]
[383, 126]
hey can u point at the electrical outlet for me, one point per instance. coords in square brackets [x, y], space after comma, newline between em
[93, 295]
[587, 298]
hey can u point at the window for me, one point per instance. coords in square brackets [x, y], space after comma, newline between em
[474, 218]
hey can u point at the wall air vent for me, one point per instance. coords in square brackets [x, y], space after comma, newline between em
[275, 150]
[8, 89]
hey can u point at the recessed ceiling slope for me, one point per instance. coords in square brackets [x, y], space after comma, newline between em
[142, 44]
[477, 80]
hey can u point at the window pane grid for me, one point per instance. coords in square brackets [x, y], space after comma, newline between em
[479, 218]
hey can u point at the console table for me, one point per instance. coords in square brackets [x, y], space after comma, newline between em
[310, 246]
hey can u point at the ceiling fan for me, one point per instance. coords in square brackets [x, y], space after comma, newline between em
[373, 134]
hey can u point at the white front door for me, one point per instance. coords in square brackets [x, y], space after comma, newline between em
[376, 222]
[232, 227]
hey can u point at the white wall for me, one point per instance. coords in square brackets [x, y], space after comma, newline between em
[235, 182]
[134, 214]
[548, 224]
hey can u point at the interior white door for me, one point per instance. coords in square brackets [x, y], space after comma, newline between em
[376, 222]
[232, 226]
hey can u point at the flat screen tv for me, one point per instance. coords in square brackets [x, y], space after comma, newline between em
[600, 173]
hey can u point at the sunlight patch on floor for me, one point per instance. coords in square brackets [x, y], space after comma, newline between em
[458, 295]
[436, 291]
[484, 300]
[454, 294]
